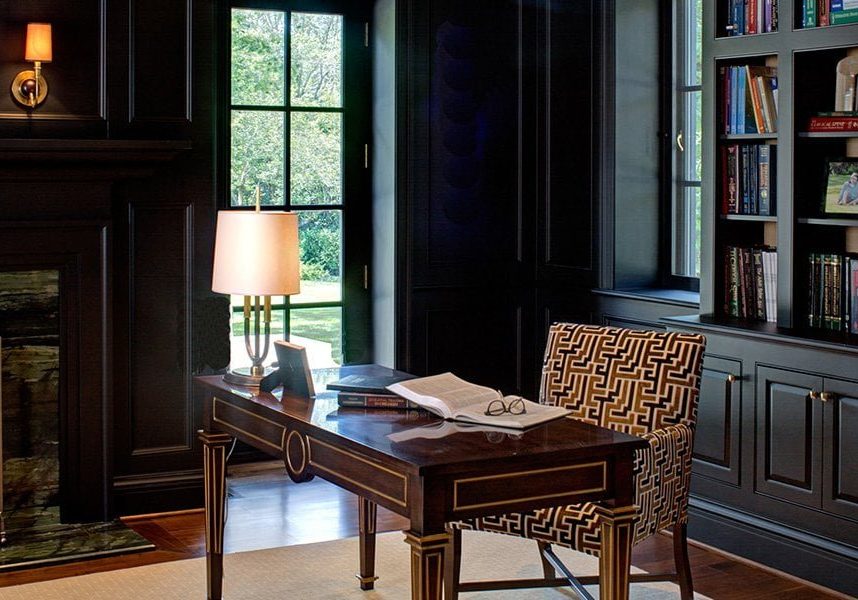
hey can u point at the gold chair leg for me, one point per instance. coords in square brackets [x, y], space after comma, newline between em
[683, 565]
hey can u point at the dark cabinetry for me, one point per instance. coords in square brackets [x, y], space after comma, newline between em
[775, 475]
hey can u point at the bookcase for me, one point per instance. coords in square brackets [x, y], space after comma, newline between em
[805, 59]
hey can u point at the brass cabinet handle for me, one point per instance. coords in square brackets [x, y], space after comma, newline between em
[732, 378]
[828, 396]
[814, 395]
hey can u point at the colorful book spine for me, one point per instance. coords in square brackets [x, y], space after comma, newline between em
[764, 180]
[359, 400]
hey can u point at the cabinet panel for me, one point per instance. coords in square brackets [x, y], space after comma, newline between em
[841, 449]
[789, 427]
[716, 441]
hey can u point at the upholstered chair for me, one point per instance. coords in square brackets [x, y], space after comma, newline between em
[644, 383]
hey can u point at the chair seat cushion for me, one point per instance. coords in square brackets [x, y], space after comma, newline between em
[574, 526]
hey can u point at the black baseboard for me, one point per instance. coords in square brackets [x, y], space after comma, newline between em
[822, 561]
[167, 492]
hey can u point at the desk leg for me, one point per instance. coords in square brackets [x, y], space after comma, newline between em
[366, 515]
[617, 528]
[214, 471]
[427, 564]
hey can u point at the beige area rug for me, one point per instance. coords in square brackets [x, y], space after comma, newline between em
[323, 571]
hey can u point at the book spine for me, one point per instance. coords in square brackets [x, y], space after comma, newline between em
[732, 180]
[836, 292]
[853, 293]
[745, 179]
[844, 17]
[822, 9]
[373, 401]
[754, 178]
[759, 285]
[740, 102]
[734, 282]
[810, 9]
[833, 124]
[752, 16]
[765, 207]
[811, 290]
[774, 15]
[725, 100]
[826, 291]
[756, 106]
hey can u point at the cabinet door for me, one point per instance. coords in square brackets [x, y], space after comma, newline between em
[789, 436]
[716, 441]
[840, 458]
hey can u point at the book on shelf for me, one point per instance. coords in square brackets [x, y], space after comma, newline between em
[749, 99]
[373, 400]
[821, 13]
[833, 122]
[748, 179]
[453, 398]
[832, 292]
[747, 17]
[750, 283]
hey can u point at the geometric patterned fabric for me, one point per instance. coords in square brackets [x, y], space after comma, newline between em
[644, 383]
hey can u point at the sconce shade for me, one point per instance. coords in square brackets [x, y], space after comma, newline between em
[38, 42]
[256, 253]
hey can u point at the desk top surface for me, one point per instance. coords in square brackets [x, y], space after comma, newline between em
[418, 437]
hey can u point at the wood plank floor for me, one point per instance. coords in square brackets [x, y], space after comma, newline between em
[266, 511]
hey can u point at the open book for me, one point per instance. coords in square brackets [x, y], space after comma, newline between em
[453, 398]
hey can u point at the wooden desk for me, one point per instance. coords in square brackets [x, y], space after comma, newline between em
[429, 481]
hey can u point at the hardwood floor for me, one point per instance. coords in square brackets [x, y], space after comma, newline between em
[266, 510]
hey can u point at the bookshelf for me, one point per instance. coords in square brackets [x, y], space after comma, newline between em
[805, 59]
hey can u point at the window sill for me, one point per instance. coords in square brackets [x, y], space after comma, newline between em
[672, 297]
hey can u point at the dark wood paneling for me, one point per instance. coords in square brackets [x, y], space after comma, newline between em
[160, 395]
[716, 440]
[841, 449]
[468, 217]
[479, 338]
[160, 63]
[789, 427]
[569, 202]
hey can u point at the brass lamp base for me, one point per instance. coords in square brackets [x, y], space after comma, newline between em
[245, 376]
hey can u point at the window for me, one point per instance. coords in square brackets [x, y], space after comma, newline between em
[686, 143]
[296, 130]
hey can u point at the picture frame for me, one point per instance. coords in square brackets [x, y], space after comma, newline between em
[840, 190]
[293, 371]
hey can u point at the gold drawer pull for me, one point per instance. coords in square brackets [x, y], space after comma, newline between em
[828, 396]
[732, 378]
[814, 395]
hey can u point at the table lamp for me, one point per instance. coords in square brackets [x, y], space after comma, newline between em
[256, 256]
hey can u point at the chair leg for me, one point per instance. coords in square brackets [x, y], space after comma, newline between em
[548, 570]
[683, 566]
[453, 565]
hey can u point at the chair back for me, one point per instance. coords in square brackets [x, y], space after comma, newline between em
[628, 380]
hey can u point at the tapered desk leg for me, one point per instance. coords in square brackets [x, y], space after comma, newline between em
[617, 528]
[214, 471]
[427, 564]
[366, 515]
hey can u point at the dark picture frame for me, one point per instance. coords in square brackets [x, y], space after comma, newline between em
[840, 190]
[293, 371]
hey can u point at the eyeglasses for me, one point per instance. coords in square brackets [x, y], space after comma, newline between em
[500, 406]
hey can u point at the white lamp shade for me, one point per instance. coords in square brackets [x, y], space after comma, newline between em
[38, 46]
[256, 254]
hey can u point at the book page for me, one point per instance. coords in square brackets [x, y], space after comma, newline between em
[444, 394]
[534, 414]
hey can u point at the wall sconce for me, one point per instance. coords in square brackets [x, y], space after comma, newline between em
[29, 88]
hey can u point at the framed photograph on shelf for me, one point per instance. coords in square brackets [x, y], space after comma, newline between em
[841, 187]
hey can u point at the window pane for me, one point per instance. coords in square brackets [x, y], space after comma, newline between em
[691, 159]
[258, 57]
[257, 157]
[320, 331]
[316, 170]
[317, 60]
[698, 41]
[320, 233]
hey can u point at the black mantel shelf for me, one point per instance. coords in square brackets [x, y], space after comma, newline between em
[105, 151]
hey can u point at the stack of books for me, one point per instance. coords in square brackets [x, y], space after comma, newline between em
[748, 181]
[833, 292]
[368, 388]
[751, 283]
[745, 17]
[821, 13]
[749, 99]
